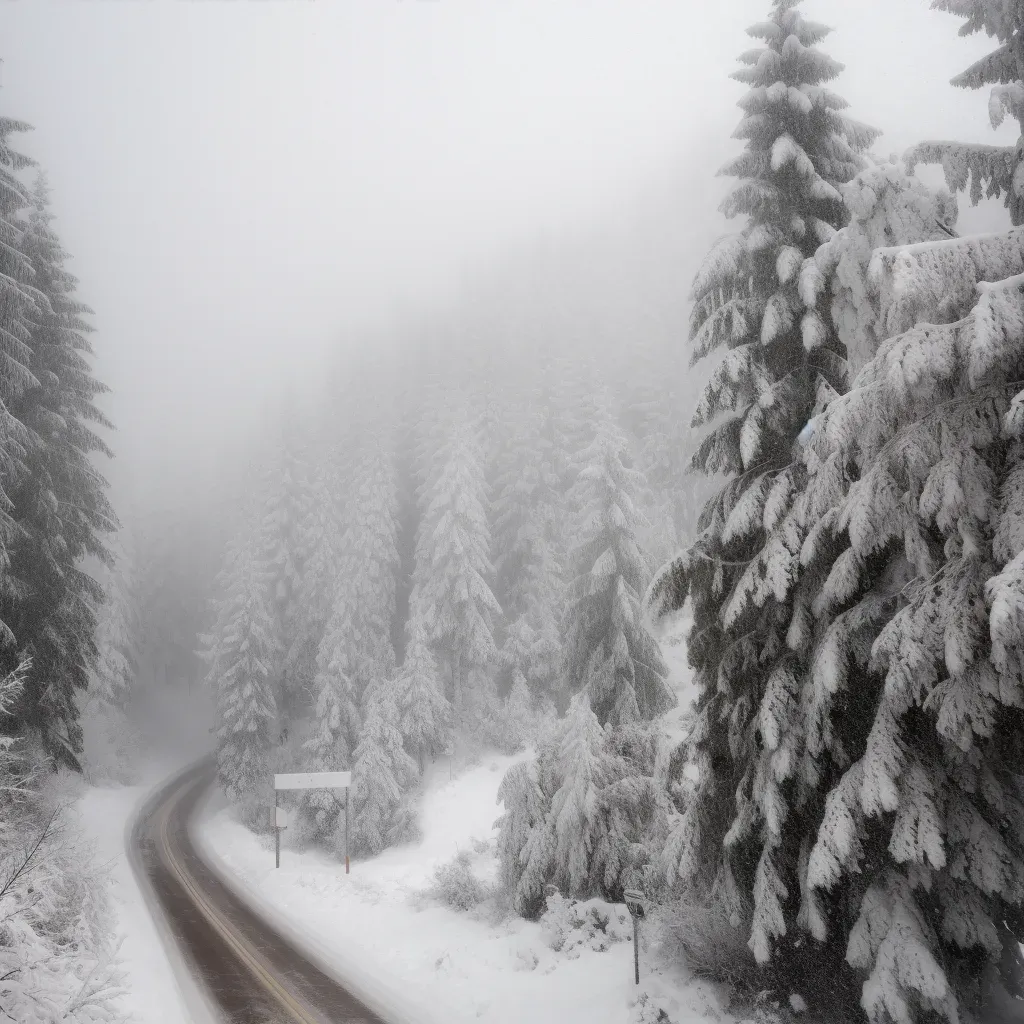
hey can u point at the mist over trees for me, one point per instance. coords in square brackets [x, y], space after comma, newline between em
[486, 526]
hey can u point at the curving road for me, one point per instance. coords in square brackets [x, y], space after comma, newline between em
[250, 972]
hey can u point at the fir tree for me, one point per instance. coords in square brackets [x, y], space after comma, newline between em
[60, 505]
[800, 148]
[452, 598]
[21, 300]
[527, 567]
[608, 650]
[874, 775]
[113, 676]
[239, 653]
[282, 541]
[424, 712]
[525, 839]
[382, 771]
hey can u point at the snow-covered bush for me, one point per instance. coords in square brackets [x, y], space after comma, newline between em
[456, 886]
[58, 958]
[582, 813]
[652, 1009]
[571, 925]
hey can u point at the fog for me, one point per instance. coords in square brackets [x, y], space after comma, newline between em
[251, 189]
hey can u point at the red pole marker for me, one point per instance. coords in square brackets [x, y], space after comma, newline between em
[346, 865]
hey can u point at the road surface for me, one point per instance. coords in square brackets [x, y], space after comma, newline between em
[251, 973]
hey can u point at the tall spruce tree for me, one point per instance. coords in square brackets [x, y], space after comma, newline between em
[356, 649]
[799, 148]
[240, 652]
[283, 549]
[425, 714]
[528, 570]
[20, 299]
[874, 777]
[608, 651]
[452, 598]
[59, 499]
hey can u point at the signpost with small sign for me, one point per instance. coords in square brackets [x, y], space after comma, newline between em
[307, 780]
[636, 904]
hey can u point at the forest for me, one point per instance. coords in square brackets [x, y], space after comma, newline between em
[491, 525]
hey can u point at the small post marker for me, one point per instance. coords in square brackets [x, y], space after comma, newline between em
[346, 831]
[636, 904]
[277, 834]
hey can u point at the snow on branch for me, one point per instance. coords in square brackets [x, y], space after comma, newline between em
[991, 170]
[934, 282]
[996, 68]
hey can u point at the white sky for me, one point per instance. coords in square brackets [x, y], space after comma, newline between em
[243, 183]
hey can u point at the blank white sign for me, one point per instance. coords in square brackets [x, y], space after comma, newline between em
[313, 780]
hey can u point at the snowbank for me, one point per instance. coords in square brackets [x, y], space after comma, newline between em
[156, 993]
[417, 960]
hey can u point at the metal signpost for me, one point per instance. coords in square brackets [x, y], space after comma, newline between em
[636, 904]
[307, 780]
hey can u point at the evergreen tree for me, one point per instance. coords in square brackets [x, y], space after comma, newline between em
[874, 775]
[382, 771]
[281, 536]
[525, 840]
[799, 149]
[239, 653]
[320, 540]
[424, 711]
[113, 676]
[608, 650]
[108, 736]
[21, 301]
[59, 500]
[356, 648]
[452, 598]
[527, 568]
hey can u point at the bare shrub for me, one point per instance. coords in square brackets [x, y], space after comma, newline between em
[705, 929]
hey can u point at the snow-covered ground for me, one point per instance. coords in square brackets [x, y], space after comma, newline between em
[418, 959]
[157, 991]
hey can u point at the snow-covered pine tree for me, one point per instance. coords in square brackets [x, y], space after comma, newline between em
[528, 572]
[356, 648]
[286, 500]
[60, 505]
[452, 598]
[108, 737]
[882, 803]
[584, 770]
[800, 149]
[525, 837]
[994, 171]
[608, 651]
[382, 771]
[425, 714]
[113, 675]
[20, 299]
[320, 539]
[240, 652]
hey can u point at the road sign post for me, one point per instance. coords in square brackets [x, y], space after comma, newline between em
[308, 780]
[636, 904]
